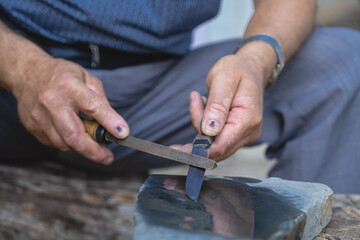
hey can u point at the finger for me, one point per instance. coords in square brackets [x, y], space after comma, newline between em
[49, 134]
[196, 110]
[74, 135]
[55, 139]
[221, 93]
[184, 148]
[34, 125]
[99, 108]
[94, 84]
[41, 137]
[220, 150]
[225, 144]
[204, 100]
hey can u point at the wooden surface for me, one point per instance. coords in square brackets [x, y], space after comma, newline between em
[345, 222]
[51, 202]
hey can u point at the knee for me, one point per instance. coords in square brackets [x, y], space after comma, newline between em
[334, 53]
[344, 54]
[340, 45]
[335, 39]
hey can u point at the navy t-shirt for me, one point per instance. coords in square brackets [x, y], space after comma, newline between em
[139, 26]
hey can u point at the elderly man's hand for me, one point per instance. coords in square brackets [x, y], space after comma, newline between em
[51, 94]
[233, 113]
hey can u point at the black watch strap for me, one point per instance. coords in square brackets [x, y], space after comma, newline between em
[281, 59]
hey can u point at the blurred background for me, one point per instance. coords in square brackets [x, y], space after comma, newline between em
[231, 23]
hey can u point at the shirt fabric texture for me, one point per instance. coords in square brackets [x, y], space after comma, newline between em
[139, 26]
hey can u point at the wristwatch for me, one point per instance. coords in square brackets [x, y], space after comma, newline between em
[280, 55]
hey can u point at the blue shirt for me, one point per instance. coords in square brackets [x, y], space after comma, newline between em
[140, 26]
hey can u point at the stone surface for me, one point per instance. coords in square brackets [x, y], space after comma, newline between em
[53, 202]
[231, 208]
[312, 198]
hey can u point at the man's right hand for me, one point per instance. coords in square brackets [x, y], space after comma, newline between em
[50, 95]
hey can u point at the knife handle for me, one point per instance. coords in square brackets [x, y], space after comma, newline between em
[95, 130]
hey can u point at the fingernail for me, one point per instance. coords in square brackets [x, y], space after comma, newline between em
[121, 131]
[213, 126]
[107, 161]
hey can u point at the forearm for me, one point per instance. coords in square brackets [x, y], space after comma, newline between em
[50, 93]
[236, 83]
[18, 56]
[289, 22]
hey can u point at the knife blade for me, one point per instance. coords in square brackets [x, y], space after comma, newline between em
[195, 176]
[99, 134]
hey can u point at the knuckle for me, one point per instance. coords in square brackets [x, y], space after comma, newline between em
[61, 145]
[212, 73]
[215, 74]
[35, 116]
[30, 127]
[216, 69]
[217, 107]
[94, 104]
[62, 80]
[47, 99]
[257, 121]
[224, 60]
[73, 140]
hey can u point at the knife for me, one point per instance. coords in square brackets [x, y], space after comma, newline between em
[100, 135]
[195, 176]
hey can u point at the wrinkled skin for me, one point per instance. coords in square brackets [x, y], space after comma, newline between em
[233, 113]
[50, 98]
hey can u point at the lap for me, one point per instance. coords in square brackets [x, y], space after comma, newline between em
[327, 62]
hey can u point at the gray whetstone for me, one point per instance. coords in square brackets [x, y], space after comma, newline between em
[281, 209]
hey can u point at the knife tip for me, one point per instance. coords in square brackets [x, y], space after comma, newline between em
[191, 192]
[194, 198]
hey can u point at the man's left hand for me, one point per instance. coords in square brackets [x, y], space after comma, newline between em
[234, 109]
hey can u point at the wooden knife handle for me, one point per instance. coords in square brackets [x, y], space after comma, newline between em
[95, 130]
